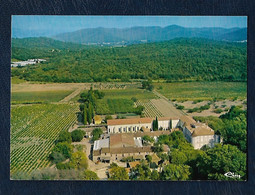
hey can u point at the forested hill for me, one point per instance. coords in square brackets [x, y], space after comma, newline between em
[150, 34]
[44, 42]
[178, 59]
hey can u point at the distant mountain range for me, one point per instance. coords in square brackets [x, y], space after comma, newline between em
[149, 34]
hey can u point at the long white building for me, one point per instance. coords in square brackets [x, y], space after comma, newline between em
[198, 134]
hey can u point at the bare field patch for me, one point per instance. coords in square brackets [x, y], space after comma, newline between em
[223, 105]
[28, 87]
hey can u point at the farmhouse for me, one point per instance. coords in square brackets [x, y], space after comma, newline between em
[136, 124]
[198, 134]
[119, 146]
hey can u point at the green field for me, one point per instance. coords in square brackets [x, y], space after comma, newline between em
[16, 80]
[119, 100]
[202, 90]
[34, 129]
[128, 94]
[38, 96]
[114, 106]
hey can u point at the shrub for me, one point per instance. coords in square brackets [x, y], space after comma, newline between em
[127, 159]
[218, 110]
[96, 133]
[64, 136]
[77, 135]
[134, 99]
[90, 175]
[64, 148]
[180, 107]
[108, 117]
[56, 157]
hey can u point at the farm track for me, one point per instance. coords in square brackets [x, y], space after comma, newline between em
[72, 95]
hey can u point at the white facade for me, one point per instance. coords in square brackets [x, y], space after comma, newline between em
[127, 128]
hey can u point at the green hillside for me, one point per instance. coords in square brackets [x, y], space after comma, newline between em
[175, 60]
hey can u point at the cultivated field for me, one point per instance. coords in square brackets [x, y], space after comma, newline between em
[34, 129]
[119, 100]
[202, 90]
[150, 109]
[38, 96]
[113, 106]
[128, 93]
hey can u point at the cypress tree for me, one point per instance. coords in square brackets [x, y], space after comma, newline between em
[156, 123]
[85, 116]
[89, 114]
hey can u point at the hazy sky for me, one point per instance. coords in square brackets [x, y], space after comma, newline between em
[59, 24]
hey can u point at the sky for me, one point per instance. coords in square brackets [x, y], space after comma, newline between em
[52, 25]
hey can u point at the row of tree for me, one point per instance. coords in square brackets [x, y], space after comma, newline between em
[88, 104]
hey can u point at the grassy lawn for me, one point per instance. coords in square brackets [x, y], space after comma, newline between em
[202, 90]
[41, 96]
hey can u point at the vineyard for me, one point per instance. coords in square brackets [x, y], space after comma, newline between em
[38, 96]
[150, 109]
[34, 129]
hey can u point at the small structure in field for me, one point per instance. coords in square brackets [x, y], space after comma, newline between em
[98, 119]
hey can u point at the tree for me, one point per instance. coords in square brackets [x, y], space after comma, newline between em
[178, 157]
[64, 136]
[217, 161]
[89, 114]
[154, 175]
[64, 148]
[140, 172]
[175, 172]
[113, 164]
[77, 135]
[148, 158]
[107, 117]
[96, 133]
[118, 173]
[56, 157]
[79, 160]
[90, 175]
[157, 147]
[147, 139]
[155, 124]
[85, 116]
[134, 99]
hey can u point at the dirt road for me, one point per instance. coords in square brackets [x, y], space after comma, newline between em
[72, 95]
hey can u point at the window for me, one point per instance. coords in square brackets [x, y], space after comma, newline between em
[104, 153]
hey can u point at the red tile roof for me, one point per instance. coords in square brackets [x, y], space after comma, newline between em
[129, 121]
